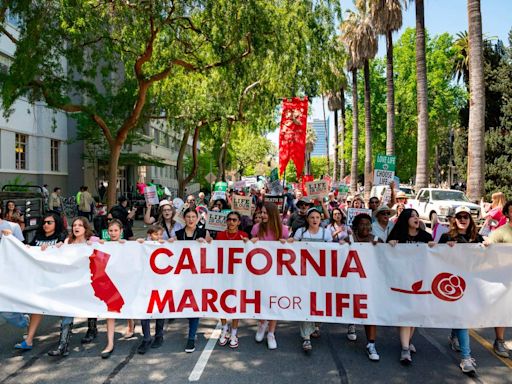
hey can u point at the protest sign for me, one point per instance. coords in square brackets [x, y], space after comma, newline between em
[240, 184]
[242, 204]
[219, 195]
[353, 212]
[384, 169]
[221, 186]
[216, 221]
[150, 195]
[317, 189]
[277, 200]
[276, 188]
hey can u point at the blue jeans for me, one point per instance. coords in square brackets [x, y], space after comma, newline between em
[159, 328]
[193, 324]
[463, 336]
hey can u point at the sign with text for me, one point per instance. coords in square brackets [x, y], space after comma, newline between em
[353, 212]
[242, 204]
[216, 221]
[277, 200]
[384, 171]
[405, 285]
[218, 195]
[240, 184]
[221, 186]
[317, 189]
[276, 188]
[150, 195]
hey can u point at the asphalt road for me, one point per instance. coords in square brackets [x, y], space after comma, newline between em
[334, 359]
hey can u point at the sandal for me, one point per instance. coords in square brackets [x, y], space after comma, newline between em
[306, 345]
[316, 333]
[23, 346]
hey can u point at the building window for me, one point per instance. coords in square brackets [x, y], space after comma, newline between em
[21, 151]
[54, 155]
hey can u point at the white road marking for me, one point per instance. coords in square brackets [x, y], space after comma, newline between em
[196, 373]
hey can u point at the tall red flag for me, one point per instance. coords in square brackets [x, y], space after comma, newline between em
[292, 135]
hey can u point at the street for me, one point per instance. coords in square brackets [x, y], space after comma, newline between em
[334, 359]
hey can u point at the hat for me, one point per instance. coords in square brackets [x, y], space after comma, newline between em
[463, 208]
[384, 208]
[401, 195]
[313, 209]
[305, 200]
[164, 202]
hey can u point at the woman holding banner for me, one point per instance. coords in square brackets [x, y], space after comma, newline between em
[407, 230]
[463, 230]
[271, 228]
[166, 213]
[339, 230]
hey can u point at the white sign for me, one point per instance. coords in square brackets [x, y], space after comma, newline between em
[216, 221]
[467, 286]
[242, 204]
[317, 189]
[150, 195]
[239, 184]
[353, 212]
[219, 195]
[276, 188]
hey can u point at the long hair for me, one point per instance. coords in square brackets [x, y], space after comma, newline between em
[87, 226]
[400, 231]
[16, 211]
[59, 225]
[161, 219]
[331, 219]
[273, 225]
[472, 230]
[498, 200]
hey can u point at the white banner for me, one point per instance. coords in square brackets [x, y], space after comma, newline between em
[467, 286]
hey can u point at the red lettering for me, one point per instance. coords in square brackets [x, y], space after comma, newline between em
[232, 260]
[334, 262]
[223, 301]
[312, 300]
[358, 268]
[328, 304]
[220, 260]
[203, 267]
[152, 261]
[341, 303]
[268, 259]
[167, 300]
[186, 262]
[288, 263]
[359, 305]
[306, 258]
[209, 297]
[188, 301]
[244, 300]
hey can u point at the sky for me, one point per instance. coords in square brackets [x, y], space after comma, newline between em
[440, 16]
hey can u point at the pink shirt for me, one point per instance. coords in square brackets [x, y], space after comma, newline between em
[268, 235]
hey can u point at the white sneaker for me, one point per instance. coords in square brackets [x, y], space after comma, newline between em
[233, 342]
[224, 336]
[468, 365]
[351, 332]
[260, 333]
[271, 341]
[372, 352]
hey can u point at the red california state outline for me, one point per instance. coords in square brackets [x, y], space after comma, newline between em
[104, 288]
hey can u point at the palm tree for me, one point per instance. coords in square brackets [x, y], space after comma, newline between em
[387, 18]
[421, 99]
[460, 69]
[310, 145]
[476, 143]
[361, 40]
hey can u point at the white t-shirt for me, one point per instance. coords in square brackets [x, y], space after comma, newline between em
[323, 234]
[381, 233]
[14, 227]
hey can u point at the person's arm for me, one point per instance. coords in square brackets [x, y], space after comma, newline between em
[132, 213]
[148, 219]
[392, 198]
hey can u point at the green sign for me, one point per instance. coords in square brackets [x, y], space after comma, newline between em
[385, 163]
[221, 186]
[274, 175]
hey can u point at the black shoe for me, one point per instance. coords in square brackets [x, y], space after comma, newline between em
[144, 347]
[157, 343]
[191, 346]
[92, 331]
[63, 347]
[106, 354]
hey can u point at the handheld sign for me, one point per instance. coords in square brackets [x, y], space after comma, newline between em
[221, 186]
[150, 195]
[219, 195]
[317, 189]
[353, 212]
[277, 200]
[276, 187]
[242, 204]
[384, 170]
[216, 221]
[239, 184]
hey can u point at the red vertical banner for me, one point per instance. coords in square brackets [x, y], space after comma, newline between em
[292, 134]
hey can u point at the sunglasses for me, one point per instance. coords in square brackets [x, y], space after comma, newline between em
[190, 201]
[385, 213]
[231, 219]
[48, 222]
[374, 202]
[462, 217]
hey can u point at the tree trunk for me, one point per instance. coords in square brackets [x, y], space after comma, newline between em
[115, 153]
[336, 143]
[180, 164]
[368, 133]
[183, 182]
[326, 128]
[355, 134]
[342, 135]
[390, 100]
[224, 153]
[421, 99]
[476, 129]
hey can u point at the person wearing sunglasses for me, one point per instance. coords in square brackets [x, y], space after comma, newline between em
[382, 225]
[191, 201]
[231, 233]
[462, 230]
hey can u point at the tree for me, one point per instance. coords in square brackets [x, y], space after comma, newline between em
[310, 145]
[387, 18]
[476, 142]
[421, 99]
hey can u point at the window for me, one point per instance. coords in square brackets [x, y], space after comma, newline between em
[54, 155]
[21, 151]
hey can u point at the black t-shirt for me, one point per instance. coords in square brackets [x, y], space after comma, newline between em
[465, 238]
[421, 237]
[198, 233]
[40, 240]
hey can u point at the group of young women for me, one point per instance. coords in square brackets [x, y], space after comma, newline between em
[268, 226]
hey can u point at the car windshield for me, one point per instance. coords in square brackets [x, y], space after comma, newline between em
[449, 195]
[406, 190]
